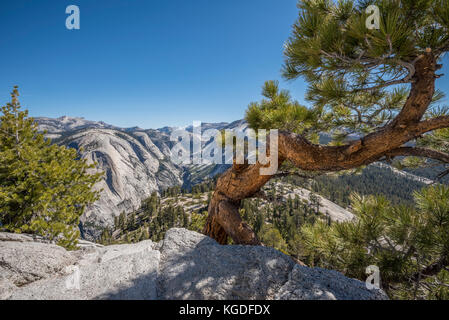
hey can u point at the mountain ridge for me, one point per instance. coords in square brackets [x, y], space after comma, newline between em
[136, 163]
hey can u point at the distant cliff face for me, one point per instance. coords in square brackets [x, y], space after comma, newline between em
[135, 162]
[133, 168]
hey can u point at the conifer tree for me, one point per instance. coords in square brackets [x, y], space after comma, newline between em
[145, 233]
[44, 188]
[122, 220]
[271, 236]
[131, 223]
[373, 90]
[410, 245]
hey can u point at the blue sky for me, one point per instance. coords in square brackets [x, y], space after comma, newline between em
[141, 62]
[148, 63]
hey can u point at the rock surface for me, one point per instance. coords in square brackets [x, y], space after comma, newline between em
[327, 208]
[185, 265]
[133, 168]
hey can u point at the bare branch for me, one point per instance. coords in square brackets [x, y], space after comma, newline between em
[419, 152]
[283, 174]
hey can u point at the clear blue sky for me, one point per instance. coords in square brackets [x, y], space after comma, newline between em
[148, 63]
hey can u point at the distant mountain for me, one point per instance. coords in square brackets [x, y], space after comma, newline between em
[136, 163]
[57, 127]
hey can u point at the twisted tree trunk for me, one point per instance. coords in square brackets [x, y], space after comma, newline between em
[244, 181]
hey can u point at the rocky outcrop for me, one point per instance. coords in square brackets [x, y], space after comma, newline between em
[185, 265]
[326, 208]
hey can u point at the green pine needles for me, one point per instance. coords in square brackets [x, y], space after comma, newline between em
[410, 245]
[44, 188]
[358, 78]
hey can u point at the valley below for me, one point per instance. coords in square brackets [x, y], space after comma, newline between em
[136, 164]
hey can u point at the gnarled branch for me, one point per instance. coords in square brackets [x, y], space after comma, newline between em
[244, 181]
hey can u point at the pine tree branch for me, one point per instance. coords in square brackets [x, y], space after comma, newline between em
[8, 133]
[433, 124]
[419, 152]
[372, 63]
[284, 174]
[444, 48]
[432, 270]
[404, 80]
[442, 175]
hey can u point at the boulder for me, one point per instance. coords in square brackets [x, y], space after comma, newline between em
[194, 266]
[185, 265]
[320, 284]
[115, 272]
[25, 262]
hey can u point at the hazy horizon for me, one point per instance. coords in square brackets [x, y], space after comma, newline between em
[144, 128]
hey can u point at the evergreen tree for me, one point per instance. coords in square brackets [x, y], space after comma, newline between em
[44, 188]
[185, 219]
[122, 220]
[272, 237]
[131, 223]
[410, 245]
[197, 221]
[372, 90]
[145, 234]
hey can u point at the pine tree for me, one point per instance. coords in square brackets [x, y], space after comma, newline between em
[44, 188]
[185, 219]
[122, 220]
[374, 84]
[145, 233]
[131, 223]
[271, 236]
[410, 245]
